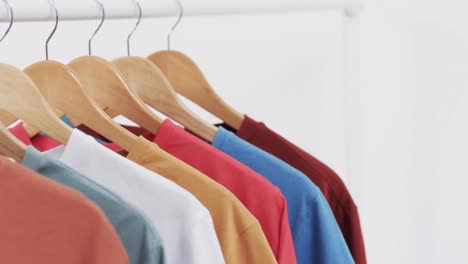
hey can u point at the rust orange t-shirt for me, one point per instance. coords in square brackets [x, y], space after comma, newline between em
[239, 232]
[43, 222]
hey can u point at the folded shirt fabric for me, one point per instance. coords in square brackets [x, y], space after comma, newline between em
[262, 198]
[317, 237]
[184, 224]
[139, 237]
[240, 235]
[335, 191]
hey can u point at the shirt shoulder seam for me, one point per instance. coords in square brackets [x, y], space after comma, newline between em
[243, 232]
[341, 202]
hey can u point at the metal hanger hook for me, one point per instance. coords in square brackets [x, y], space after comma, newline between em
[140, 14]
[181, 15]
[10, 11]
[103, 11]
[54, 8]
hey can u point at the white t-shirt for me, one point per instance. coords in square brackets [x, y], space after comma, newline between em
[183, 223]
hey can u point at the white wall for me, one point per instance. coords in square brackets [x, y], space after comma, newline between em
[287, 70]
[414, 106]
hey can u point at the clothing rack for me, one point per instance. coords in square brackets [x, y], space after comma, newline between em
[39, 10]
[73, 10]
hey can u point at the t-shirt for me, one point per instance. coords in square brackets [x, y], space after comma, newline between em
[270, 208]
[317, 237]
[137, 234]
[239, 233]
[43, 222]
[331, 185]
[184, 224]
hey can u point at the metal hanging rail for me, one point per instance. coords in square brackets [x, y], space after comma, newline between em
[38, 10]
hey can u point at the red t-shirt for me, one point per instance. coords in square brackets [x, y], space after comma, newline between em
[259, 196]
[264, 201]
[331, 185]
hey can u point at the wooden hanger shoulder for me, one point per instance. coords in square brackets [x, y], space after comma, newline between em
[6, 118]
[66, 93]
[188, 80]
[10, 146]
[107, 86]
[155, 90]
[22, 98]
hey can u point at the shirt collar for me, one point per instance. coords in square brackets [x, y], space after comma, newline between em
[32, 159]
[78, 144]
[168, 133]
[51, 147]
[221, 137]
[19, 132]
[40, 142]
[248, 128]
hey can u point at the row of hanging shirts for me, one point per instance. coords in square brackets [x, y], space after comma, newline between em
[263, 199]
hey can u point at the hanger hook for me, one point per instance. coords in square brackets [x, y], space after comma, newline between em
[103, 11]
[10, 11]
[181, 14]
[54, 8]
[140, 14]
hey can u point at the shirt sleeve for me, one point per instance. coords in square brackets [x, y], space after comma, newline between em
[249, 247]
[159, 254]
[329, 245]
[204, 247]
[101, 241]
[286, 252]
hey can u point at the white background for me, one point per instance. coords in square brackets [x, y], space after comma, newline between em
[287, 70]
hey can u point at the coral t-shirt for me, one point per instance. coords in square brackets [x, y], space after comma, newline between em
[43, 222]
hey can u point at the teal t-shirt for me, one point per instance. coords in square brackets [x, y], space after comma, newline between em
[139, 237]
[316, 235]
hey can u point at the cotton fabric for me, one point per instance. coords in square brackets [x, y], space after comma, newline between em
[43, 222]
[317, 237]
[239, 233]
[270, 208]
[338, 197]
[183, 222]
[138, 235]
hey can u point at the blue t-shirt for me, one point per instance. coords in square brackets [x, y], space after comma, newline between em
[317, 237]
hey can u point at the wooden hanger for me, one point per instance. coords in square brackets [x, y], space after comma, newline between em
[7, 119]
[105, 83]
[68, 96]
[147, 81]
[22, 98]
[188, 80]
[5, 116]
[10, 146]
[150, 84]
